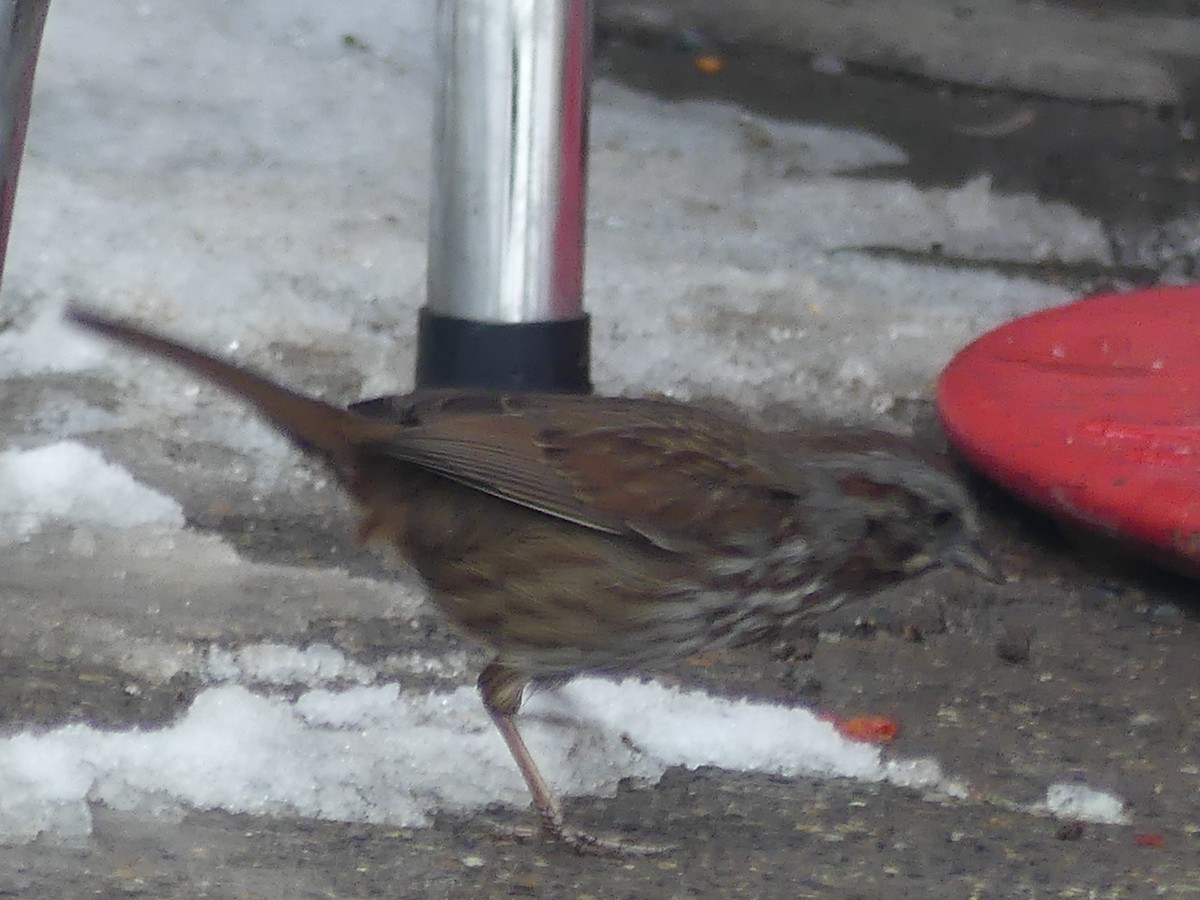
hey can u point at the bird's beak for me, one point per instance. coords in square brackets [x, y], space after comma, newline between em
[972, 557]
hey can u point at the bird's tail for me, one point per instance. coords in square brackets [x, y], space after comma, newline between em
[315, 426]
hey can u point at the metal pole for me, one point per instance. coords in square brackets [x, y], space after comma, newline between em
[21, 24]
[504, 305]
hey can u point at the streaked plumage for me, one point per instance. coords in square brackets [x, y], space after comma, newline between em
[576, 534]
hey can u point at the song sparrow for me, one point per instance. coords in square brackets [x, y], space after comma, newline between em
[582, 533]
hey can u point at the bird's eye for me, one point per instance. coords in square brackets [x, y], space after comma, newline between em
[942, 518]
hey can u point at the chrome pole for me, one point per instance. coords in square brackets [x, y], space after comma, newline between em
[21, 23]
[505, 283]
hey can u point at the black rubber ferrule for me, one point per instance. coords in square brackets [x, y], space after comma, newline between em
[521, 356]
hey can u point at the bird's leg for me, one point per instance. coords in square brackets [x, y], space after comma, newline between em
[502, 690]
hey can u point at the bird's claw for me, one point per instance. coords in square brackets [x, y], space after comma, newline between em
[585, 843]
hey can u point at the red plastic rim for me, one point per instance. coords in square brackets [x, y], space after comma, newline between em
[1092, 412]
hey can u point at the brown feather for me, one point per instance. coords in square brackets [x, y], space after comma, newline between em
[316, 426]
[509, 446]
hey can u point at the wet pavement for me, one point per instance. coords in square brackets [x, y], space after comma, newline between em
[1075, 669]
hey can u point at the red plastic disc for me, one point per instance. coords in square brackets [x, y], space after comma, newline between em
[1092, 412]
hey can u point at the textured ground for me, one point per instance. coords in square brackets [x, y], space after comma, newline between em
[1070, 670]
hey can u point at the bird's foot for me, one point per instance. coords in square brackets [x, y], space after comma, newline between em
[609, 845]
[585, 843]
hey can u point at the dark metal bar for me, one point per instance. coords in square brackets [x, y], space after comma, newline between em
[21, 23]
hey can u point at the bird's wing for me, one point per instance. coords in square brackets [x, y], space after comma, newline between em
[650, 467]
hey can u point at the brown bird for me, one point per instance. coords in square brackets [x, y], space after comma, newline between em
[580, 534]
